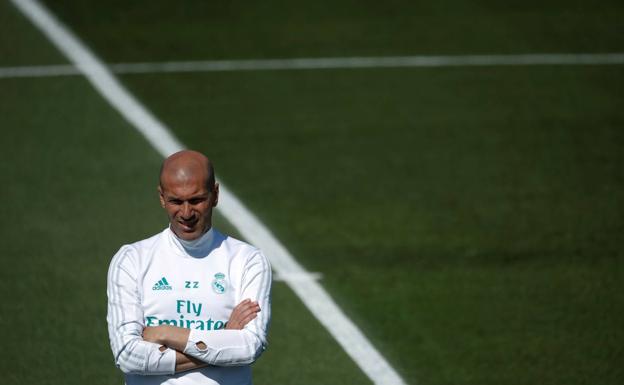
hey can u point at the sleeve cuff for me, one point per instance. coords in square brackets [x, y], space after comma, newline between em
[191, 348]
[163, 362]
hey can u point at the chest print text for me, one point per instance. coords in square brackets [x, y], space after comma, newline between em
[190, 317]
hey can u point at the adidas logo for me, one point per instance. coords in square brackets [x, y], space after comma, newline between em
[162, 284]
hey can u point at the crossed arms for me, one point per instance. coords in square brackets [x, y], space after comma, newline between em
[177, 338]
[165, 349]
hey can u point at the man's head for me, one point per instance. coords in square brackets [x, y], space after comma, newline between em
[188, 193]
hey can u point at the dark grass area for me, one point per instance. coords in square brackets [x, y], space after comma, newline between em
[196, 29]
[20, 43]
[69, 205]
[468, 220]
[524, 156]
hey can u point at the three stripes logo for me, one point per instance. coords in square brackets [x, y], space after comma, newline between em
[162, 284]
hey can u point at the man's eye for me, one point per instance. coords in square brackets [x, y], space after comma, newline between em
[175, 202]
[196, 201]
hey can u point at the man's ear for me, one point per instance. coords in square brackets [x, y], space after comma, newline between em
[215, 192]
[161, 197]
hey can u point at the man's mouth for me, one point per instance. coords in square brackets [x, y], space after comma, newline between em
[187, 225]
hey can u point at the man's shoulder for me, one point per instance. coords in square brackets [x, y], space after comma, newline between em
[147, 243]
[135, 249]
[241, 255]
[234, 245]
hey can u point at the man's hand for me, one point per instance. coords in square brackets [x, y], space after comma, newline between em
[242, 314]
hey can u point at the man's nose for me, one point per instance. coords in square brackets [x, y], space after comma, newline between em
[186, 210]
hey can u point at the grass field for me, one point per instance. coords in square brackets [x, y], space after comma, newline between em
[468, 220]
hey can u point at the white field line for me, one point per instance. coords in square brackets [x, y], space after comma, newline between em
[329, 63]
[297, 277]
[309, 291]
[39, 71]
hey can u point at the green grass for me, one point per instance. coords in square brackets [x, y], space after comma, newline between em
[469, 220]
[20, 43]
[69, 205]
[80, 183]
[196, 29]
[461, 242]
[72, 202]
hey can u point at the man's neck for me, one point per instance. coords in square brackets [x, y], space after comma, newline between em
[198, 246]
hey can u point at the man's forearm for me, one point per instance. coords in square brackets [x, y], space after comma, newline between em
[229, 347]
[177, 338]
[170, 336]
[184, 363]
[174, 338]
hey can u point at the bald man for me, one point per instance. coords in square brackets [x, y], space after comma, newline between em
[189, 305]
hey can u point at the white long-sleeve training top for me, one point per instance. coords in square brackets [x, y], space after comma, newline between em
[195, 285]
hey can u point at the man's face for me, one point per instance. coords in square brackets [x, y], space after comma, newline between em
[189, 206]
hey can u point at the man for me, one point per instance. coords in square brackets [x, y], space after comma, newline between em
[188, 305]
